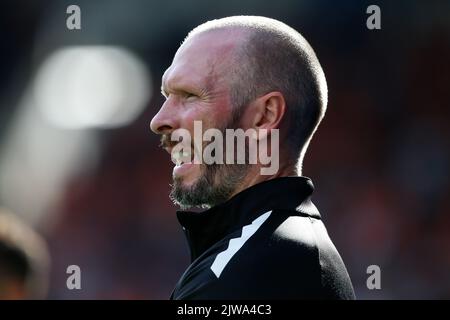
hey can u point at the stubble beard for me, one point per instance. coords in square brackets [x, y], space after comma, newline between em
[216, 184]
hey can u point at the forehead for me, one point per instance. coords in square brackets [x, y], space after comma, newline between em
[201, 59]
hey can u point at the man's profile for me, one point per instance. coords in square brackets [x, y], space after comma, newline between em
[260, 236]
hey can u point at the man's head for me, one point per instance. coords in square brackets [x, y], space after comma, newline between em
[240, 72]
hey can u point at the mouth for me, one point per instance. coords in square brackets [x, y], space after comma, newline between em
[180, 157]
[183, 163]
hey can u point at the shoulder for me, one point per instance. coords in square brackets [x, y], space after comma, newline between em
[290, 257]
[280, 261]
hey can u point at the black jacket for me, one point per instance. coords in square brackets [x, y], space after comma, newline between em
[267, 242]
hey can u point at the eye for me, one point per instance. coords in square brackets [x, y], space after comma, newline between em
[190, 95]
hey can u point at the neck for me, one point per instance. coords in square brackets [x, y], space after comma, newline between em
[254, 176]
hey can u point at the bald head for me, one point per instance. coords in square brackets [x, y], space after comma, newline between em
[249, 73]
[267, 55]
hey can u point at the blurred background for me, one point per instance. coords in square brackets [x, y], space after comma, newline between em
[79, 164]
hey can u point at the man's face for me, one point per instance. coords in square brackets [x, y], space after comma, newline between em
[196, 88]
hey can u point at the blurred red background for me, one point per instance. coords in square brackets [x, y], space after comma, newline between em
[379, 161]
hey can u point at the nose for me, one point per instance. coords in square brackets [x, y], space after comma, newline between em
[164, 121]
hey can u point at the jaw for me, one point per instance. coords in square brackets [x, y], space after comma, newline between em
[187, 174]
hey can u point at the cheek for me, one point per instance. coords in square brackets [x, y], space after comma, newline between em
[195, 113]
[219, 117]
[213, 114]
[209, 118]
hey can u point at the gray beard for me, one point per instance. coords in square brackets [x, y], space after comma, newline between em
[216, 185]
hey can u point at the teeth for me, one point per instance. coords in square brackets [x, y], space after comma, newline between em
[180, 157]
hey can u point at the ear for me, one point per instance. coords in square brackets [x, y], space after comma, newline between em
[268, 111]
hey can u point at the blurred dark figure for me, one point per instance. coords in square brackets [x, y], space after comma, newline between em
[24, 260]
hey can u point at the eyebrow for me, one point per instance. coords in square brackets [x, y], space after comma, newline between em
[183, 88]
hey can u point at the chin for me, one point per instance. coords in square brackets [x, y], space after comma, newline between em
[189, 178]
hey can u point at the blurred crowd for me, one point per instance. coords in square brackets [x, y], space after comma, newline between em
[379, 160]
